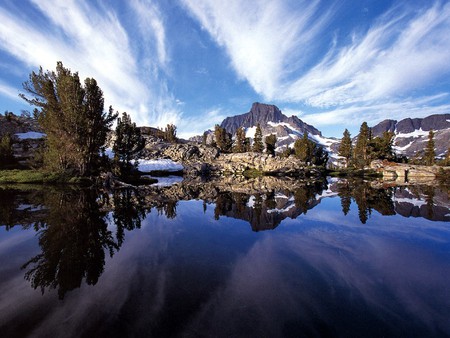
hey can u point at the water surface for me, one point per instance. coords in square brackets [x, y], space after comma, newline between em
[319, 259]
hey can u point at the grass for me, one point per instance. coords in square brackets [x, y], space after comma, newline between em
[38, 177]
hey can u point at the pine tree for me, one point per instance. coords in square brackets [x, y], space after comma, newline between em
[72, 116]
[346, 147]
[430, 155]
[6, 151]
[170, 133]
[258, 145]
[239, 144]
[360, 157]
[128, 143]
[303, 148]
[223, 139]
[271, 141]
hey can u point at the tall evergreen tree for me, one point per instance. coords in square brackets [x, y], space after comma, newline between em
[303, 148]
[239, 144]
[71, 115]
[271, 141]
[430, 154]
[346, 147]
[127, 145]
[223, 138]
[360, 157]
[258, 145]
[381, 147]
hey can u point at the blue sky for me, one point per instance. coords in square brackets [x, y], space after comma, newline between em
[334, 64]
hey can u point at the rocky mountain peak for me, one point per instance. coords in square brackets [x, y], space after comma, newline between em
[263, 113]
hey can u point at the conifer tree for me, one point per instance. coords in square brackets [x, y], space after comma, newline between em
[239, 144]
[303, 148]
[6, 151]
[271, 141]
[223, 139]
[360, 157]
[72, 117]
[258, 145]
[430, 154]
[128, 143]
[346, 147]
[170, 133]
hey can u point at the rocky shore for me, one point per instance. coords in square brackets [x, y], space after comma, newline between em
[206, 160]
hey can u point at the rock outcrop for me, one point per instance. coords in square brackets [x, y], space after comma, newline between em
[407, 173]
[200, 159]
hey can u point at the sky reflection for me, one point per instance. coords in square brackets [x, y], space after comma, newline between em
[192, 274]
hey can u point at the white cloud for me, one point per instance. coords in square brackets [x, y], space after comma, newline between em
[372, 113]
[196, 125]
[94, 42]
[273, 44]
[261, 37]
[9, 91]
[398, 55]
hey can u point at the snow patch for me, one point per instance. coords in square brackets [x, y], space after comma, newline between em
[250, 132]
[400, 149]
[414, 201]
[161, 164]
[416, 133]
[281, 210]
[31, 135]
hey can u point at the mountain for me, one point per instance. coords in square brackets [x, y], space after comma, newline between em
[273, 121]
[411, 135]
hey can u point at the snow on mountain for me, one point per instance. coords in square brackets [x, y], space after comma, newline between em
[411, 135]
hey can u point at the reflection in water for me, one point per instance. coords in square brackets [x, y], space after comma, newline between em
[204, 279]
[73, 240]
[73, 232]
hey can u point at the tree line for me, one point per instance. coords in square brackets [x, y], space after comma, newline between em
[304, 149]
[368, 148]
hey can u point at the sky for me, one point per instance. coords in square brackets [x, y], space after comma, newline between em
[192, 63]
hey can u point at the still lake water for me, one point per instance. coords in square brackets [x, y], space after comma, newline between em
[324, 259]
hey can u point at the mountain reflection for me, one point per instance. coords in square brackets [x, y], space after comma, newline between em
[78, 228]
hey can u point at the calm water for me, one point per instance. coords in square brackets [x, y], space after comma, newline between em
[199, 260]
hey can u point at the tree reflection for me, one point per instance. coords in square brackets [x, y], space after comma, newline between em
[129, 211]
[74, 237]
[366, 199]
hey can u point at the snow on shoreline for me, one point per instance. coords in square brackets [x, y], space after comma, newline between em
[160, 164]
[152, 165]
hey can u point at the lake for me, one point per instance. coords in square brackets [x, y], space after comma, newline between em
[261, 258]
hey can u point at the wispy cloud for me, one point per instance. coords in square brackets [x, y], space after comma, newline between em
[9, 91]
[93, 41]
[401, 53]
[374, 112]
[207, 120]
[261, 37]
[279, 49]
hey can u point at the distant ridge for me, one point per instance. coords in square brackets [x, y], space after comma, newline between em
[411, 135]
